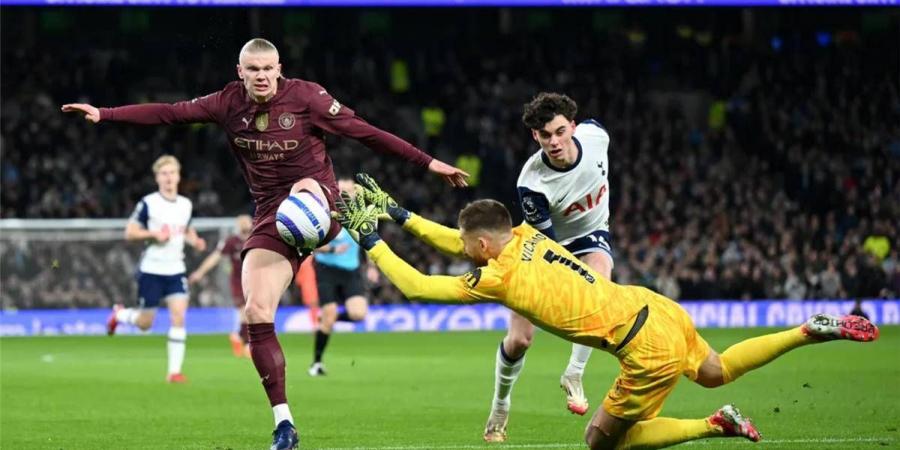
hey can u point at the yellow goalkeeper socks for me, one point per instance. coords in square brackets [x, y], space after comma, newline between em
[664, 431]
[752, 353]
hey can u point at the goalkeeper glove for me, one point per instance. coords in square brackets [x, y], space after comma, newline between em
[383, 201]
[360, 219]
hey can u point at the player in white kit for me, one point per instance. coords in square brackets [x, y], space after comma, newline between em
[564, 193]
[161, 220]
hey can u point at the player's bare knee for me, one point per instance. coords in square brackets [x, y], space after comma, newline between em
[258, 312]
[308, 184]
[144, 321]
[517, 344]
[357, 308]
[176, 315]
[710, 373]
[710, 381]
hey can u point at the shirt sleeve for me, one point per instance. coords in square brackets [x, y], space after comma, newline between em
[199, 110]
[445, 239]
[536, 210]
[479, 286]
[140, 215]
[330, 115]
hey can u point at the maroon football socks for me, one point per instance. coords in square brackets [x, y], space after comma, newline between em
[269, 360]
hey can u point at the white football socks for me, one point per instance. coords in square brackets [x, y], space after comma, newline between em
[282, 412]
[578, 359]
[177, 338]
[127, 315]
[505, 376]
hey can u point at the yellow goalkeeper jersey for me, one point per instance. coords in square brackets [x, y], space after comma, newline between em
[534, 276]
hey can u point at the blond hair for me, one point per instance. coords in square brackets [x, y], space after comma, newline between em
[257, 45]
[164, 160]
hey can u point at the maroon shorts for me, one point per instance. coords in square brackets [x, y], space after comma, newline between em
[265, 235]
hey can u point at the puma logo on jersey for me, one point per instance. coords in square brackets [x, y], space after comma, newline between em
[589, 202]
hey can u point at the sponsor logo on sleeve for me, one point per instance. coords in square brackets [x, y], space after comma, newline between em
[530, 209]
[335, 108]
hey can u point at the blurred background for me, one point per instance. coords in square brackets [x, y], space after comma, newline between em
[755, 153]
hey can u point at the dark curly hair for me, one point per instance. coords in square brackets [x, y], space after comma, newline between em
[545, 106]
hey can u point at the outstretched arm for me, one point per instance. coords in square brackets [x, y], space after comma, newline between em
[415, 285]
[203, 109]
[361, 221]
[330, 115]
[445, 239]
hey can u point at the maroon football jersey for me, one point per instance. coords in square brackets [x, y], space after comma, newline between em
[278, 142]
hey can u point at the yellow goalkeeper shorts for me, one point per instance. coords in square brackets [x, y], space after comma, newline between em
[667, 347]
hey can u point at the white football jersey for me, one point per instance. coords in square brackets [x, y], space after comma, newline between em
[575, 200]
[154, 212]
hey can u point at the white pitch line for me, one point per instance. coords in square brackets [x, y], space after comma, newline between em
[461, 447]
[765, 441]
[581, 445]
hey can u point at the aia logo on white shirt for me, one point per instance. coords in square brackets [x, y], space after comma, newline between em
[587, 203]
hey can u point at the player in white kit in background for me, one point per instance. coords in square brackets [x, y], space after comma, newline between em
[161, 220]
[564, 192]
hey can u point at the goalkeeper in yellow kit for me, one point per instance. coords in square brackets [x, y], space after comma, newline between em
[653, 337]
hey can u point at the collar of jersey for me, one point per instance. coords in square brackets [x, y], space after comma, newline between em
[546, 159]
[164, 197]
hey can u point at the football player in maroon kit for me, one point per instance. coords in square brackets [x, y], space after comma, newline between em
[276, 128]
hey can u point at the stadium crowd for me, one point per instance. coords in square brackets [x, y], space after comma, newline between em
[740, 169]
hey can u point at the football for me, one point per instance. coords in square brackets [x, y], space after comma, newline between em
[303, 220]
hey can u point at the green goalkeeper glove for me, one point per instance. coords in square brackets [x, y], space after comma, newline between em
[360, 219]
[383, 201]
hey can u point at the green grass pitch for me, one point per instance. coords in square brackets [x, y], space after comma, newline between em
[410, 391]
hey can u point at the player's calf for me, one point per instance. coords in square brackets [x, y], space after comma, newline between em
[605, 431]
